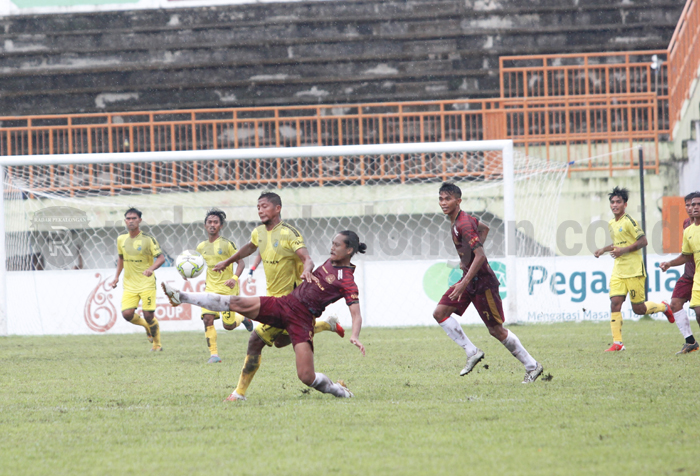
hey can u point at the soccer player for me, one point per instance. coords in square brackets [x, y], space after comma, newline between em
[297, 311]
[225, 283]
[479, 285]
[139, 256]
[628, 274]
[688, 286]
[286, 261]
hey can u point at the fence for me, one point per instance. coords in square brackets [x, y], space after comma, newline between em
[683, 59]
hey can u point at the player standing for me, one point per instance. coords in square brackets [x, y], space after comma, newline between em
[296, 312]
[286, 261]
[688, 286]
[225, 283]
[139, 256]
[628, 274]
[479, 285]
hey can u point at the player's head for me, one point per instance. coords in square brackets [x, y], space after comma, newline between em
[269, 207]
[345, 244]
[132, 218]
[618, 200]
[694, 206]
[214, 220]
[450, 198]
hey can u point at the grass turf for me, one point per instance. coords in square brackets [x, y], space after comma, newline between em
[104, 405]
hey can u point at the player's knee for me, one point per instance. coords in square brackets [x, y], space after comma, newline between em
[498, 332]
[229, 327]
[676, 305]
[128, 314]
[439, 315]
[255, 344]
[639, 309]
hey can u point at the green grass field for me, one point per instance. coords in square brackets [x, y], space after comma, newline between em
[105, 405]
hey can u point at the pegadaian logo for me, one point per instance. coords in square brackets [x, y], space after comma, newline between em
[439, 277]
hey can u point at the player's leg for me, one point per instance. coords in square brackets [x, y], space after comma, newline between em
[263, 335]
[208, 318]
[330, 324]
[304, 354]
[231, 320]
[640, 306]
[618, 294]
[130, 302]
[148, 304]
[443, 316]
[682, 293]
[247, 306]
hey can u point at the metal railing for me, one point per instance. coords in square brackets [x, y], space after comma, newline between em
[683, 59]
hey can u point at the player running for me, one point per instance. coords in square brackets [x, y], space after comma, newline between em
[297, 311]
[687, 288]
[139, 256]
[628, 274]
[225, 283]
[479, 285]
[286, 261]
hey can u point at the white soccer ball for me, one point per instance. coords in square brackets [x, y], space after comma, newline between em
[190, 264]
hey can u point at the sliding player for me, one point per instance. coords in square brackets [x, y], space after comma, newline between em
[286, 261]
[139, 256]
[628, 274]
[225, 283]
[297, 311]
[688, 286]
[479, 285]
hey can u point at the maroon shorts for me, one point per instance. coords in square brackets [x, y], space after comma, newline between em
[288, 313]
[683, 289]
[487, 303]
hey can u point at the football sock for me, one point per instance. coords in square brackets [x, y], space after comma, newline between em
[213, 302]
[683, 323]
[455, 332]
[616, 326]
[210, 334]
[155, 332]
[652, 307]
[239, 318]
[512, 343]
[140, 321]
[324, 385]
[321, 326]
[251, 365]
[690, 340]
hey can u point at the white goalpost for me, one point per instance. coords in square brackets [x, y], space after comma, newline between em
[60, 214]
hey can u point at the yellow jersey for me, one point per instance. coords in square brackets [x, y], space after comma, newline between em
[278, 248]
[625, 232]
[691, 245]
[138, 254]
[213, 253]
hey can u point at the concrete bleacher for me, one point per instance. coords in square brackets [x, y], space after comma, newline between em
[301, 53]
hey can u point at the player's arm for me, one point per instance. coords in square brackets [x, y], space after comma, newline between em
[479, 260]
[308, 263]
[603, 250]
[356, 326]
[120, 267]
[240, 266]
[677, 261]
[256, 263]
[245, 251]
[637, 245]
[482, 230]
[160, 259]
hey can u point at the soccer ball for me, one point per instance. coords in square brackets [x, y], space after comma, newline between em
[190, 264]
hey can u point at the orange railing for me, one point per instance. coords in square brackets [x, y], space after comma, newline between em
[683, 59]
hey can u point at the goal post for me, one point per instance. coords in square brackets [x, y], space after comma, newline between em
[387, 191]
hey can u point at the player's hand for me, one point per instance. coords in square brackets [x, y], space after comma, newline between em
[231, 283]
[357, 343]
[114, 283]
[147, 272]
[457, 292]
[617, 252]
[599, 253]
[220, 266]
[309, 278]
[664, 266]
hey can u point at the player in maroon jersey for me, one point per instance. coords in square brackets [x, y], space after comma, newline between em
[479, 285]
[296, 312]
[683, 290]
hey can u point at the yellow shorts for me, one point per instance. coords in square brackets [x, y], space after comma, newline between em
[131, 300]
[268, 334]
[227, 317]
[633, 286]
[695, 298]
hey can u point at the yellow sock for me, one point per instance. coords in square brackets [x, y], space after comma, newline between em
[652, 307]
[252, 364]
[321, 326]
[155, 332]
[210, 334]
[616, 326]
[140, 321]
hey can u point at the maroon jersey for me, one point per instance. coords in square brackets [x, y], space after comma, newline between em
[466, 240]
[689, 271]
[334, 282]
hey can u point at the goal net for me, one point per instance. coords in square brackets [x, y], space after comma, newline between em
[61, 216]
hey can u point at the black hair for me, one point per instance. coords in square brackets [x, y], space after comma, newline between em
[623, 193]
[353, 241]
[451, 188]
[271, 197]
[132, 210]
[217, 213]
[691, 196]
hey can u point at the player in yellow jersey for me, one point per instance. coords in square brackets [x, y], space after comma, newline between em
[628, 274]
[215, 249]
[690, 252]
[139, 256]
[286, 261]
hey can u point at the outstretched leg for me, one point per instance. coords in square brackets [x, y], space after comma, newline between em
[307, 374]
